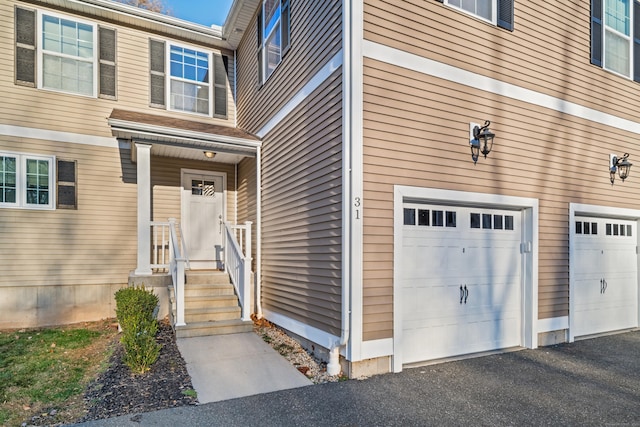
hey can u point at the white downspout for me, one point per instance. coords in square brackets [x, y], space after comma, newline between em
[333, 367]
[258, 233]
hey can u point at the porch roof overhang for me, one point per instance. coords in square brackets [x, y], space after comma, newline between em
[173, 137]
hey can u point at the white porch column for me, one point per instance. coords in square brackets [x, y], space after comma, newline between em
[143, 157]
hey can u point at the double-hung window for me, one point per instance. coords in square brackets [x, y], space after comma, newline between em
[497, 12]
[273, 35]
[615, 29]
[65, 54]
[68, 56]
[196, 80]
[26, 181]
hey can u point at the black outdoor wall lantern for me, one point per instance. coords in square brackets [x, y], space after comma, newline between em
[482, 141]
[620, 165]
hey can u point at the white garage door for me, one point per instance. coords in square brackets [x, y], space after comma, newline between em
[461, 286]
[605, 293]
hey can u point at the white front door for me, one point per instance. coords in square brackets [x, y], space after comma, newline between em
[203, 218]
[461, 280]
[605, 295]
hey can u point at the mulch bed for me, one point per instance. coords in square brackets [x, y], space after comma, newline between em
[119, 392]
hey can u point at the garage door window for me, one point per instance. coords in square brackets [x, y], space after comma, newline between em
[618, 230]
[489, 221]
[425, 217]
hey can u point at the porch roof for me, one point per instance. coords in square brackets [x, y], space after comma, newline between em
[175, 137]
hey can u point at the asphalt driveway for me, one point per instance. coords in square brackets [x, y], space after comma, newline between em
[594, 382]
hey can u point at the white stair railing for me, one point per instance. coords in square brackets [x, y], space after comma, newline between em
[238, 262]
[178, 261]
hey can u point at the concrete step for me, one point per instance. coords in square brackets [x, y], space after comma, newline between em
[212, 290]
[230, 301]
[207, 277]
[211, 314]
[223, 327]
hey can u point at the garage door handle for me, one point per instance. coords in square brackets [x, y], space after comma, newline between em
[461, 294]
[603, 286]
[466, 293]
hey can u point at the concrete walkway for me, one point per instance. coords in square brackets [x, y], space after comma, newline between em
[229, 366]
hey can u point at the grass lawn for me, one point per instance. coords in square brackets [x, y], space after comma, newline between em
[43, 372]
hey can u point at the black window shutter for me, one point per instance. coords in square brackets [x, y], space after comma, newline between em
[107, 57]
[286, 26]
[259, 27]
[67, 190]
[636, 41]
[157, 73]
[505, 14]
[440, 1]
[25, 66]
[596, 32]
[220, 85]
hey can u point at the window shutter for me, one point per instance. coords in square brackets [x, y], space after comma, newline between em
[67, 188]
[636, 41]
[107, 57]
[260, 67]
[286, 27]
[440, 1]
[157, 73]
[220, 85]
[505, 14]
[25, 66]
[596, 32]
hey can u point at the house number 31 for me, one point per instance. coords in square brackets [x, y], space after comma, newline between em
[357, 203]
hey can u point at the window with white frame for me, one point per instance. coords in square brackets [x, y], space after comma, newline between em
[615, 36]
[196, 81]
[189, 80]
[67, 55]
[497, 12]
[484, 9]
[63, 53]
[26, 181]
[273, 35]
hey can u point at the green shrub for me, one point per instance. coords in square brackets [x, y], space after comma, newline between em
[135, 308]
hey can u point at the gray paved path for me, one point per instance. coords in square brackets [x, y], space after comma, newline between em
[593, 382]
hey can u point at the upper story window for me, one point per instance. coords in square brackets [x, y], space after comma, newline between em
[497, 12]
[26, 181]
[196, 81]
[64, 54]
[614, 36]
[67, 55]
[273, 35]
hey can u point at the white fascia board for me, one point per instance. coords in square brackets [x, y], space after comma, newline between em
[152, 130]
[453, 74]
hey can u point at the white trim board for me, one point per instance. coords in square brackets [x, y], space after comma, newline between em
[315, 335]
[443, 71]
[52, 135]
[553, 324]
[529, 208]
[315, 82]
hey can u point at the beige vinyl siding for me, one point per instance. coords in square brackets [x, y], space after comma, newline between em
[416, 133]
[316, 36]
[302, 211]
[30, 107]
[166, 184]
[548, 52]
[93, 245]
[247, 200]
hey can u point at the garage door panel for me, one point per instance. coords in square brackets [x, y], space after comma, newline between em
[605, 292]
[461, 287]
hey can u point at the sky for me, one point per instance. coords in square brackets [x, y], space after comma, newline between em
[205, 12]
